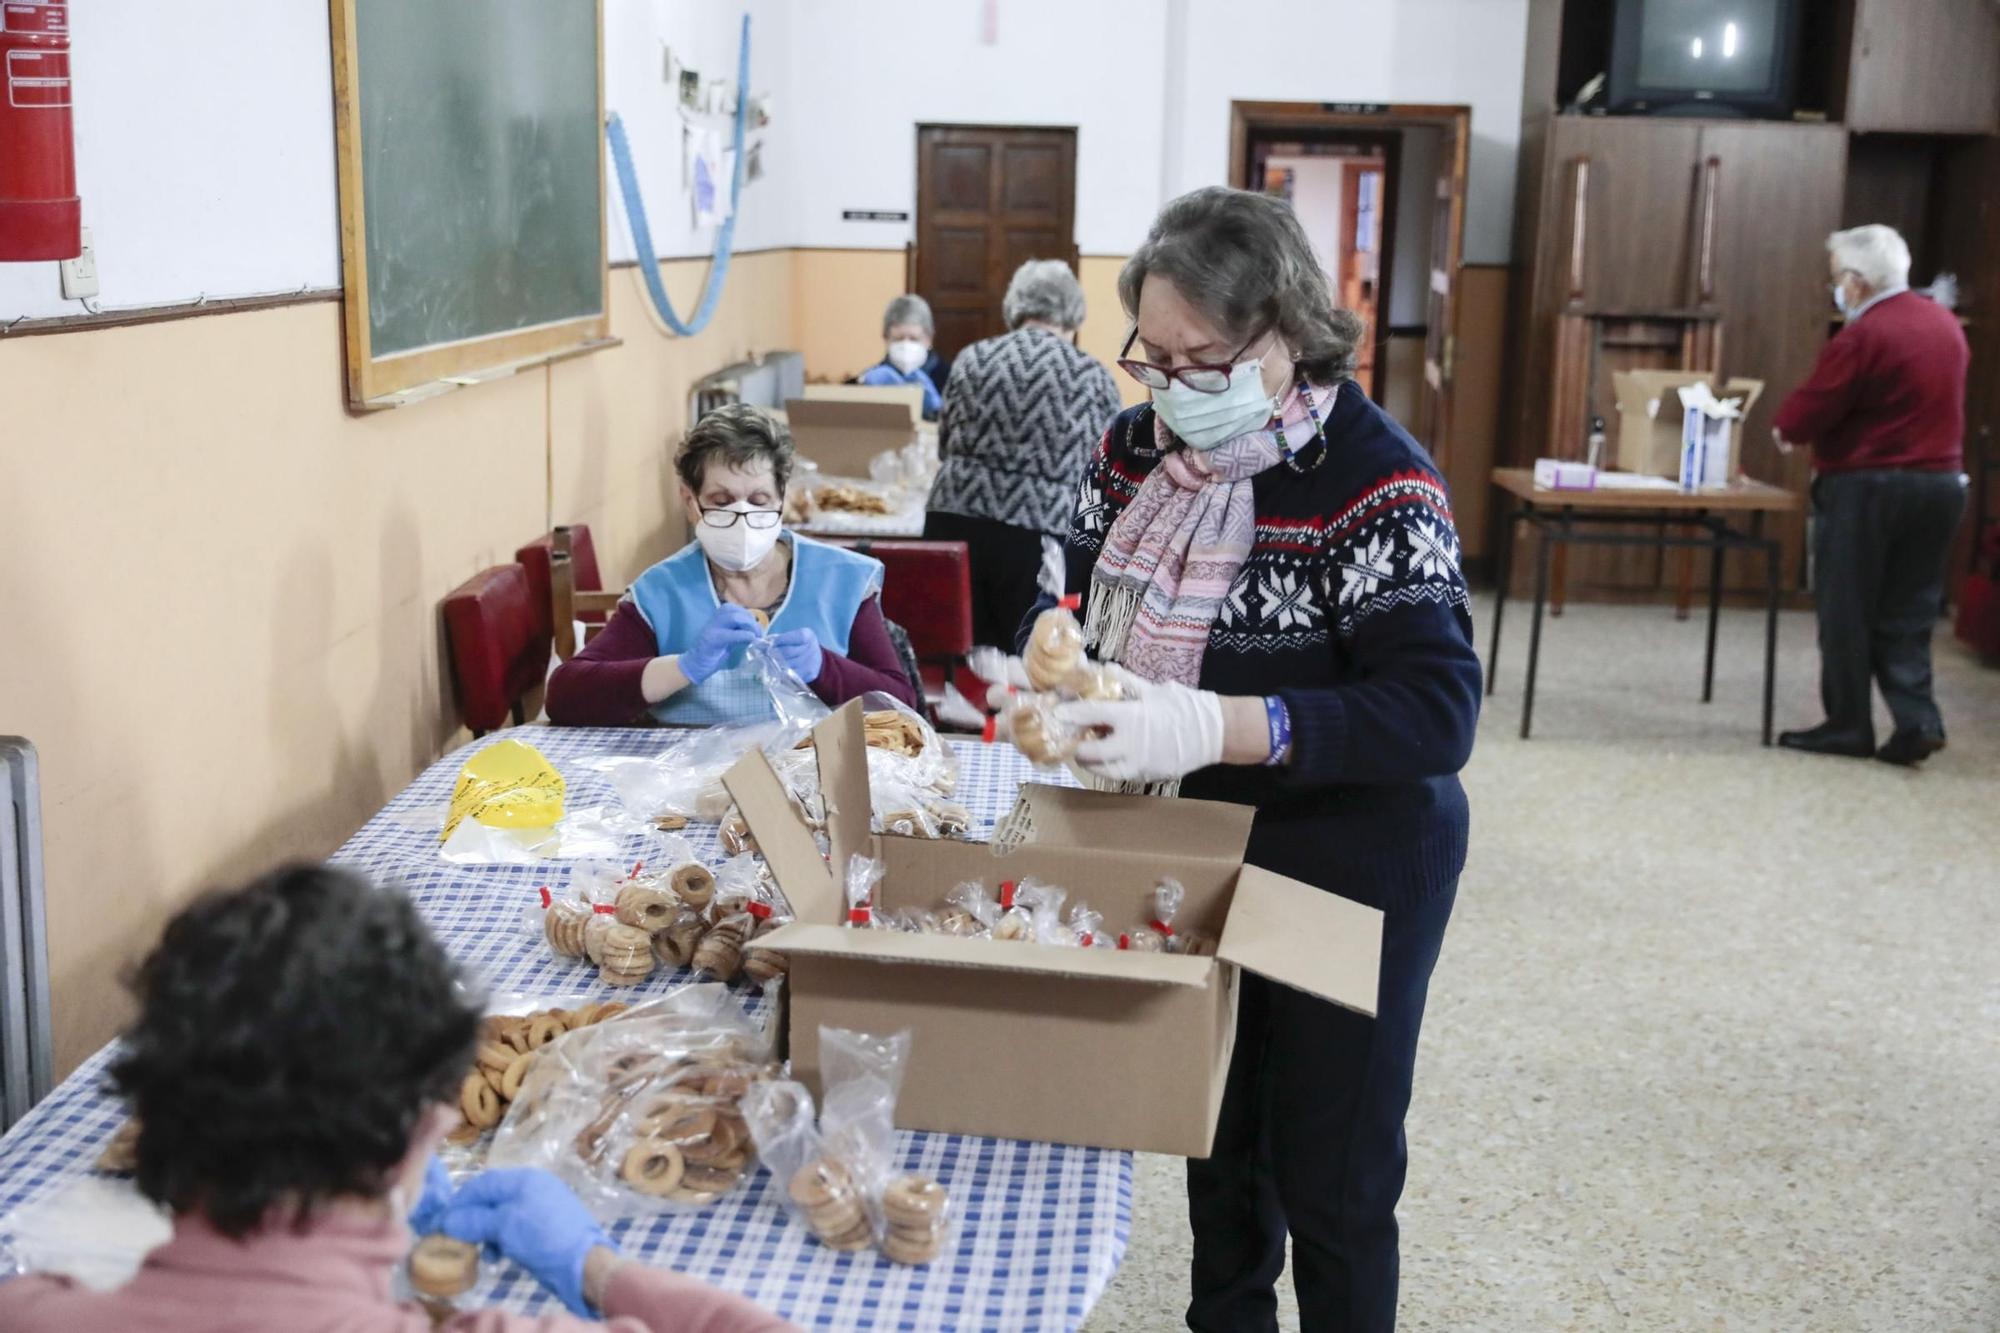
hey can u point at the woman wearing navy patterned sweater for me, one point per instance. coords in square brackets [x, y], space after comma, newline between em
[1273, 558]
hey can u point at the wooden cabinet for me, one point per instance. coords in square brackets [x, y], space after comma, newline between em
[1925, 67]
[1676, 222]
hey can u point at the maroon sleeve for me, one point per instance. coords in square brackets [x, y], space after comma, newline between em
[1813, 409]
[871, 663]
[599, 686]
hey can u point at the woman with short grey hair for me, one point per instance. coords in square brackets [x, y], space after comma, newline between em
[1272, 561]
[1021, 413]
[908, 330]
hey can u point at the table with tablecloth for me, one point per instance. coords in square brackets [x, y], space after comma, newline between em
[1041, 1226]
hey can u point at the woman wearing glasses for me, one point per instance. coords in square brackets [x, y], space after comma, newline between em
[674, 648]
[1272, 560]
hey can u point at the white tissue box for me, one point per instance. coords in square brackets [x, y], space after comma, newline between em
[1556, 474]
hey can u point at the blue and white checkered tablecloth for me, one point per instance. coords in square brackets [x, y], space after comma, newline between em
[1041, 1227]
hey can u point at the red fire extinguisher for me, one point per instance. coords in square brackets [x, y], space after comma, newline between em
[40, 215]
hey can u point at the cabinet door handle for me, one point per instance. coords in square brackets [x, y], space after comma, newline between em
[1711, 180]
[1578, 225]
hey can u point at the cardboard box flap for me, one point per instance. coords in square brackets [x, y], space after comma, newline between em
[842, 745]
[1644, 392]
[844, 437]
[900, 947]
[1051, 816]
[788, 845]
[1307, 938]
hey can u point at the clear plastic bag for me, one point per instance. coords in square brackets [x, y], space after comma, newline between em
[1044, 904]
[1055, 649]
[819, 1195]
[1039, 732]
[862, 1076]
[683, 783]
[863, 875]
[642, 1114]
[559, 921]
[768, 911]
[969, 911]
[1156, 933]
[1014, 920]
[798, 708]
[1086, 926]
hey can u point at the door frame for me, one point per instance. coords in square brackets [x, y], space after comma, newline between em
[1073, 257]
[1249, 120]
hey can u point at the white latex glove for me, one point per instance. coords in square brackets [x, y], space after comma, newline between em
[1167, 731]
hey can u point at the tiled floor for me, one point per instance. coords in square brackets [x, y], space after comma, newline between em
[1715, 1040]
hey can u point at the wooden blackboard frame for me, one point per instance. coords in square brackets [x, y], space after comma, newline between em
[376, 382]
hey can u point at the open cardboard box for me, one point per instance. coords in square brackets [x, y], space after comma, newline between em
[1652, 423]
[1107, 1048]
[843, 436]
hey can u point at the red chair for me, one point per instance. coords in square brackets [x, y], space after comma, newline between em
[927, 589]
[536, 557]
[499, 644]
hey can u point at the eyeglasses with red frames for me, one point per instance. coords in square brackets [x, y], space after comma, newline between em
[1202, 377]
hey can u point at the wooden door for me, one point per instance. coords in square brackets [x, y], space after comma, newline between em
[1925, 66]
[1441, 302]
[989, 198]
[1634, 251]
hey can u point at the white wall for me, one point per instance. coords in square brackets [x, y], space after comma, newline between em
[1447, 51]
[223, 184]
[1316, 198]
[222, 181]
[865, 75]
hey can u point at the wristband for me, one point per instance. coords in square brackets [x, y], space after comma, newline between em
[1280, 719]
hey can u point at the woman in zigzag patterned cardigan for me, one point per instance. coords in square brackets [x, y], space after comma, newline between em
[1273, 560]
[1021, 413]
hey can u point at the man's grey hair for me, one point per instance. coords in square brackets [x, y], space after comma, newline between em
[1877, 254]
[1046, 290]
[909, 308]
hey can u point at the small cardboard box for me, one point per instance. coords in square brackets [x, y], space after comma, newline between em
[844, 435]
[1106, 1048]
[1652, 425]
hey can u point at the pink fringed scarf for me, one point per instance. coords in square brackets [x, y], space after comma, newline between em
[1171, 557]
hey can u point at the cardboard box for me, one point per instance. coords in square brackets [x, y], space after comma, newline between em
[1107, 1048]
[844, 435]
[1556, 474]
[1653, 426]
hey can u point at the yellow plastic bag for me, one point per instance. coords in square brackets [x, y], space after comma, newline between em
[506, 785]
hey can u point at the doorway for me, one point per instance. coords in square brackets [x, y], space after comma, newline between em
[989, 198]
[1393, 244]
[1342, 188]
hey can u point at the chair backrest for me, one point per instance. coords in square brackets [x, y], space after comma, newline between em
[569, 601]
[536, 557]
[499, 648]
[927, 589]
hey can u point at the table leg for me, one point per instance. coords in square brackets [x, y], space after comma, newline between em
[1684, 579]
[1771, 558]
[1714, 614]
[1548, 539]
[1503, 570]
[1559, 593]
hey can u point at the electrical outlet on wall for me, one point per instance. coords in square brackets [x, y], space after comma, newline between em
[79, 275]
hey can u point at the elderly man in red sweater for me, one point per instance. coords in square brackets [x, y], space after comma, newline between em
[1884, 412]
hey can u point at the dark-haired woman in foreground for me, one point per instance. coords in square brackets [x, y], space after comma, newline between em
[298, 1045]
[1273, 559]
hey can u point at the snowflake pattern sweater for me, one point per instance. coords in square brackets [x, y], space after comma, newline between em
[1351, 608]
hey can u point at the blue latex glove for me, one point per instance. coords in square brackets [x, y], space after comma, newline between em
[437, 1196]
[799, 649]
[730, 628]
[534, 1219]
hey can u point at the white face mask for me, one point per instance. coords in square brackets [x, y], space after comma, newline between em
[1205, 420]
[738, 547]
[906, 356]
[1840, 297]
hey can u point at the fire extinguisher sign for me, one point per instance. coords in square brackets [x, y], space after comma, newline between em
[37, 76]
[35, 16]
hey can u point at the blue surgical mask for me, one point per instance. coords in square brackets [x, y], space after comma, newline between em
[1206, 420]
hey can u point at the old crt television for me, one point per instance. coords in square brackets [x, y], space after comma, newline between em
[1703, 57]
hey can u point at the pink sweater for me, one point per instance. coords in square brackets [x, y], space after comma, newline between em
[334, 1278]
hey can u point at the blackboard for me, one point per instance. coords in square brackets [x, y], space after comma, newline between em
[472, 190]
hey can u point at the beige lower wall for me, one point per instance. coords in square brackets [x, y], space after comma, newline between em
[839, 296]
[218, 609]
